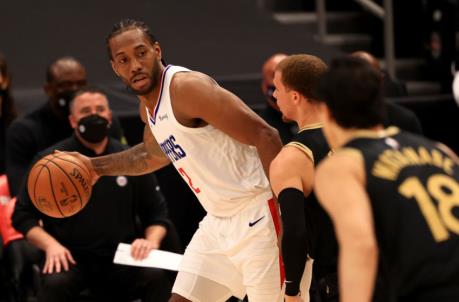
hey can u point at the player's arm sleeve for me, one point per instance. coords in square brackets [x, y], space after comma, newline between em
[151, 203]
[20, 148]
[295, 245]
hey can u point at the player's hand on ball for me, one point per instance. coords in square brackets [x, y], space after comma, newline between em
[141, 247]
[87, 162]
[58, 258]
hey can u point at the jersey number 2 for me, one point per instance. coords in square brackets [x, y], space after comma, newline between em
[446, 191]
[190, 183]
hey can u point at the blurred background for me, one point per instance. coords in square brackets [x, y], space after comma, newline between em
[230, 40]
[415, 43]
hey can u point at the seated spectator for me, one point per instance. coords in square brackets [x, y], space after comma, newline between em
[79, 249]
[396, 115]
[7, 108]
[271, 112]
[391, 87]
[7, 115]
[18, 254]
[48, 124]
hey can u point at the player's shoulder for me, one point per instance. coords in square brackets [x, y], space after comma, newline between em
[448, 152]
[192, 90]
[288, 159]
[342, 162]
[340, 171]
[298, 149]
[291, 153]
[189, 81]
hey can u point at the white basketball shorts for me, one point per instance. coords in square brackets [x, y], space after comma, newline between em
[239, 252]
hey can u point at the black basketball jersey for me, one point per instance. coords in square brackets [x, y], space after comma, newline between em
[414, 193]
[324, 248]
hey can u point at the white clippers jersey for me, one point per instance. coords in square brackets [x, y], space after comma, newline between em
[224, 174]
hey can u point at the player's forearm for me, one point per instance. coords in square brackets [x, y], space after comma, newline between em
[357, 271]
[295, 256]
[134, 161]
[40, 238]
[295, 245]
[268, 146]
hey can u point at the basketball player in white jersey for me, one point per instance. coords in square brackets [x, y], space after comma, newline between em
[222, 150]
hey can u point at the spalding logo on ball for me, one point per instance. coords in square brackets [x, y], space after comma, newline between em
[59, 185]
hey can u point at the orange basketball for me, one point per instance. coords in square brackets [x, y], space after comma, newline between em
[59, 185]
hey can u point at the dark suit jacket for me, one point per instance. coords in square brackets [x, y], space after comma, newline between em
[401, 117]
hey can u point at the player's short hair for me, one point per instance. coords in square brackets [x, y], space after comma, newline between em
[351, 88]
[301, 73]
[129, 24]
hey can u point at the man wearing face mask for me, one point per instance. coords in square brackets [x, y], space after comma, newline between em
[79, 249]
[48, 123]
[271, 113]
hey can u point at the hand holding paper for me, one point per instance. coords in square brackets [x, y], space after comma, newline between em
[156, 258]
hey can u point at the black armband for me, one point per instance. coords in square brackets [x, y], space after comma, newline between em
[294, 240]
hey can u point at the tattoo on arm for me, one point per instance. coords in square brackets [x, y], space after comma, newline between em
[143, 158]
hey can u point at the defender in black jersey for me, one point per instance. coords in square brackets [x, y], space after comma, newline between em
[393, 196]
[307, 229]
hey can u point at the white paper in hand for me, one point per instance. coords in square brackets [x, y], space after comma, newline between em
[156, 258]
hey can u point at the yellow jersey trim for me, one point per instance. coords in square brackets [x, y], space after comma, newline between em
[311, 126]
[390, 131]
[302, 148]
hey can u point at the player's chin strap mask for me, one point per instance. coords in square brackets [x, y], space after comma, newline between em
[93, 128]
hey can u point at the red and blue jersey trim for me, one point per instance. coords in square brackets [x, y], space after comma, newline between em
[158, 102]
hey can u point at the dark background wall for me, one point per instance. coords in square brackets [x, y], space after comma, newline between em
[226, 39]
[229, 40]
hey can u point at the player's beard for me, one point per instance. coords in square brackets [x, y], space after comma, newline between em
[154, 76]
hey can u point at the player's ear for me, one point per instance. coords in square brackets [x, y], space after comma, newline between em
[295, 96]
[157, 50]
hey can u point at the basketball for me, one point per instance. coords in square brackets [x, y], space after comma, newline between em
[59, 185]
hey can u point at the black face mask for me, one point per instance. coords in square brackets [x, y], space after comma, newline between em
[270, 93]
[63, 101]
[93, 128]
